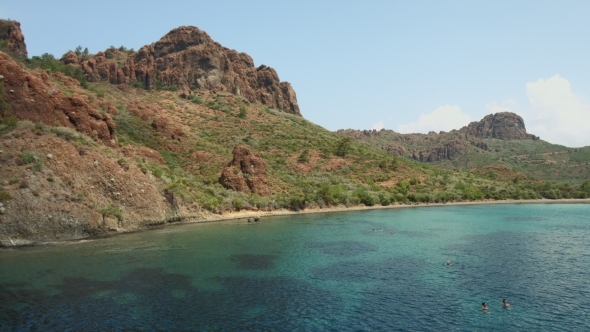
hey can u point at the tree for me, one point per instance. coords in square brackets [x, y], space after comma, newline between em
[343, 146]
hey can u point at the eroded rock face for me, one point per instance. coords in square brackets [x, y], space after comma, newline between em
[188, 58]
[15, 40]
[31, 97]
[503, 125]
[246, 173]
[451, 150]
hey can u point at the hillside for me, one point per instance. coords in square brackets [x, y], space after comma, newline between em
[184, 128]
[497, 140]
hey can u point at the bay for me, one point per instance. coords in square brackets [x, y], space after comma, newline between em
[351, 271]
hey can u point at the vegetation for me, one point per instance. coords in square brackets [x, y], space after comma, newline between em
[50, 64]
[160, 86]
[4, 105]
[307, 165]
[8, 124]
[4, 195]
[536, 159]
[110, 210]
[33, 158]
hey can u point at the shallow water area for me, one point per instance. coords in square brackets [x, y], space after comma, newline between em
[351, 271]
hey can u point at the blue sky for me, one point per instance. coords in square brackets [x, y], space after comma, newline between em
[410, 66]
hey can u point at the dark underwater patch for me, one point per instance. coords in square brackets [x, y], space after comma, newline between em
[148, 299]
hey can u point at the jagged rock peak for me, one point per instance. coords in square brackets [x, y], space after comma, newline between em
[188, 58]
[15, 40]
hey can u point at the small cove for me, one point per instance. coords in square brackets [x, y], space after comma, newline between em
[363, 270]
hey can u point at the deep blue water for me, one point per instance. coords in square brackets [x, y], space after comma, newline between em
[380, 270]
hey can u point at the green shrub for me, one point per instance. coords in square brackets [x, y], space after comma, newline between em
[4, 105]
[364, 197]
[8, 124]
[137, 84]
[160, 86]
[243, 112]
[303, 157]
[237, 204]
[33, 158]
[110, 210]
[343, 146]
[5, 195]
[195, 99]
[332, 194]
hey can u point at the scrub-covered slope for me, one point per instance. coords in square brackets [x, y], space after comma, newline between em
[497, 140]
[84, 155]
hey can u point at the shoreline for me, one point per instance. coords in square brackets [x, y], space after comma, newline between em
[251, 214]
[237, 215]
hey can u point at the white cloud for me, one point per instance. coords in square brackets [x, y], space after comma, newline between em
[447, 118]
[378, 125]
[557, 115]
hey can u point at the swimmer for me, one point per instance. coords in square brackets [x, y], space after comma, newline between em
[505, 303]
[448, 263]
[484, 306]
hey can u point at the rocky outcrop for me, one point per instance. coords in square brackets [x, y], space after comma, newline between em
[246, 173]
[503, 125]
[188, 58]
[446, 145]
[11, 33]
[450, 151]
[395, 149]
[480, 145]
[32, 97]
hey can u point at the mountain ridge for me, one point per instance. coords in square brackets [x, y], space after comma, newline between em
[491, 141]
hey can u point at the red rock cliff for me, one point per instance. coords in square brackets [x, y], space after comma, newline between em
[32, 97]
[12, 36]
[188, 58]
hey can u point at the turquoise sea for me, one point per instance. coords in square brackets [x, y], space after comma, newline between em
[379, 270]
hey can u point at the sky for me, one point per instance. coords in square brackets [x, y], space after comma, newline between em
[409, 66]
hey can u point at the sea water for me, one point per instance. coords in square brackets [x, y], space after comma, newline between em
[379, 270]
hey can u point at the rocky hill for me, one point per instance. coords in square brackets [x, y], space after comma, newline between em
[184, 129]
[187, 58]
[498, 139]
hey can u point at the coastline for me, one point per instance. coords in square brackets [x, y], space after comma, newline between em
[237, 215]
[284, 212]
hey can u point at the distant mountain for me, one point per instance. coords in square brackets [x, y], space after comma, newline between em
[498, 139]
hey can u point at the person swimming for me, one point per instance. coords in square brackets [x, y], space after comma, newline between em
[448, 263]
[505, 303]
[484, 306]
